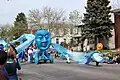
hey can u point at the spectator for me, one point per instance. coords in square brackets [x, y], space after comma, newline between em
[3, 59]
[114, 59]
[30, 54]
[12, 64]
[62, 44]
[24, 56]
[118, 59]
[34, 48]
[70, 48]
[65, 45]
[57, 41]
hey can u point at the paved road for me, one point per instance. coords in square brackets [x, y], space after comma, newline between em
[62, 71]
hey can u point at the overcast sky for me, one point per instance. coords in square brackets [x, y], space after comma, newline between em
[9, 9]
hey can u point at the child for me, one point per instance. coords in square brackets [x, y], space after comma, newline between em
[3, 59]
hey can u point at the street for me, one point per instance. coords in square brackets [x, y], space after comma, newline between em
[63, 71]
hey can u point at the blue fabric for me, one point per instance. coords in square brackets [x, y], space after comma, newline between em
[42, 55]
[62, 51]
[3, 42]
[78, 57]
[20, 56]
[24, 44]
[89, 55]
[98, 57]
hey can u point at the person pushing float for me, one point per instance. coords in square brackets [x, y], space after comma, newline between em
[96, 55]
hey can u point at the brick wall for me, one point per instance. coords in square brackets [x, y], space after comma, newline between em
[117, 30]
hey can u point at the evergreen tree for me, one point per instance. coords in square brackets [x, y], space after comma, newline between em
[20, 25]
[97, 22]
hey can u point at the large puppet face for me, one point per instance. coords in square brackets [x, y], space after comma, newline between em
[43, 39]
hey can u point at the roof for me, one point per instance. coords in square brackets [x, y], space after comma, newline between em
[116, 11]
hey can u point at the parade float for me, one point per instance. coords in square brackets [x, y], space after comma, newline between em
[43, 42]
[42, 39]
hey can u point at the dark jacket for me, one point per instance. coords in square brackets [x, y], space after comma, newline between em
[11, 69]
[118, 60]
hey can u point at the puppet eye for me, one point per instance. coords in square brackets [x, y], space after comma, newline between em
[47, 36]
[40, 37]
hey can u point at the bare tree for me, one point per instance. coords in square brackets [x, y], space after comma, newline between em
[6, 32]
[35, 17]
[75, 17]
[53, 19]
[48, 14]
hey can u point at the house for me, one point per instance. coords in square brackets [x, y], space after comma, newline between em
[110, 44]
[117, 27]
[74, 36]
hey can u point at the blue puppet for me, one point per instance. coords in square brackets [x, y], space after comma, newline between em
[43, 41]
[96, 55]
[81, 57]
